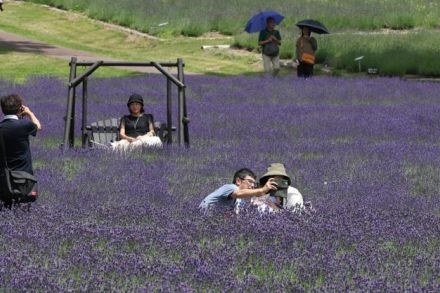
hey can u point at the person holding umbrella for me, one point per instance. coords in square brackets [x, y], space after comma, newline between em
[269, 38]
[306, 46]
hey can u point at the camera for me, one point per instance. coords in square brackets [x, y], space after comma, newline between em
[282, 185]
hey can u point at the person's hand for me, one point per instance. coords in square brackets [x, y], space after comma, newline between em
[25, 111]
[131, 139]
[150, 133]
[270, 185]
[273, 206]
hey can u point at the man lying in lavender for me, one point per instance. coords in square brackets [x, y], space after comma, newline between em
[243, 187]
[286, 197]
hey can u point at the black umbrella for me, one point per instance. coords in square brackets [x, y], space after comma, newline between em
[315, 26]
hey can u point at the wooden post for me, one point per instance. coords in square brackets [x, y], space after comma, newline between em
[72, 124]
[180, 102]
[84, 113]
[70, 97]
[169, 112]
[185, 113]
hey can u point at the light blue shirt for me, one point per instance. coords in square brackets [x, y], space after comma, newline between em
[220, 198]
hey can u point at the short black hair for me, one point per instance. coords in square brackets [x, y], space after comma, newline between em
[242, 173]
[11, 104]
[270, 18]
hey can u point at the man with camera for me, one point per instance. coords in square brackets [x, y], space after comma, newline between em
[242, 187]
[284, 197]
[16, 132]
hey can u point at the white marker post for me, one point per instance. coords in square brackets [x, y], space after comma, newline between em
[359, 59]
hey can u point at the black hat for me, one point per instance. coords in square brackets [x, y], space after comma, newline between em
[135, 98]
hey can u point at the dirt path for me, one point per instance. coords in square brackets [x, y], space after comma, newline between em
[20, 44]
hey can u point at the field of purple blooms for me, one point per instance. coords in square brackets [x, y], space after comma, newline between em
[366, 152]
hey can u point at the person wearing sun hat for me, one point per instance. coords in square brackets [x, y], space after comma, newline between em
[136, 129]
[285, 196]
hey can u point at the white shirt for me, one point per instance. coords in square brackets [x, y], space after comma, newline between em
[294, 202]
[13, 117]
[294, 198]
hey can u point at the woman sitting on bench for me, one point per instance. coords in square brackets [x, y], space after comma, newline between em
[137, 129]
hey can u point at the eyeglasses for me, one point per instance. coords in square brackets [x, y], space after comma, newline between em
[249, 181]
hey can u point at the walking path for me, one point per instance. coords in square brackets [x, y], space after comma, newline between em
[20, 44]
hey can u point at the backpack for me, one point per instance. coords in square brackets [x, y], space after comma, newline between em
[15, 186]
[271, 49]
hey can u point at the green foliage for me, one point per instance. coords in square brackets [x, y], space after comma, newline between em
[424, 179]
[392, 52]
[230, 16]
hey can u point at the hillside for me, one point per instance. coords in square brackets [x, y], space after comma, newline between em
[397, 43]
[385, 32]
[230, 16]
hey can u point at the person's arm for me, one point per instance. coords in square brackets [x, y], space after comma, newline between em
[122, 132]
[151, 126]
[262, 40]
[246, 193]
[298, 51]
[314, 44]
[151, 131]
[277, 38]
[27, 112]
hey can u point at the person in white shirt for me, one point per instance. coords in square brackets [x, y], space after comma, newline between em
[285, 197]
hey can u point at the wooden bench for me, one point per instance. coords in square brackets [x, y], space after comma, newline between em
[106, 131]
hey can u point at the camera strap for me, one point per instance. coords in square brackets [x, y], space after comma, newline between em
[4, 162]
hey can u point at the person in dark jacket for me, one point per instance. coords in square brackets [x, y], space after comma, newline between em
[137, 128]
[306, 47]
[16, 131]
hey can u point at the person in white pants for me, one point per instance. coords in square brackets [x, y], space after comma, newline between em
[270, 40]
[137, 129]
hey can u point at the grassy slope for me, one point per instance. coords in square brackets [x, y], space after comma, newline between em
[394, 54]
[78, 32]
[194, 17]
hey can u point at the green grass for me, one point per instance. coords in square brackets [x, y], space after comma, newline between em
[18, 67]
[424, 179]
[78, 32]
[195, 17]
[392, 52]
[399, 53]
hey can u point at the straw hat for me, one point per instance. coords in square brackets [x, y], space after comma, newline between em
[275, 169]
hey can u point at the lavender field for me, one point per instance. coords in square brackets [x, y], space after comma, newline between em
[366, 152]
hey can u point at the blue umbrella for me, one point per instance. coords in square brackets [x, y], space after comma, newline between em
[258, 22]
